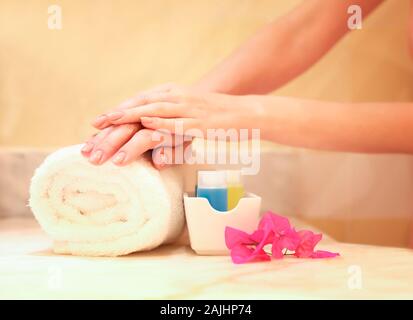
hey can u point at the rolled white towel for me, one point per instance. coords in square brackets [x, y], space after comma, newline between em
[105, 210]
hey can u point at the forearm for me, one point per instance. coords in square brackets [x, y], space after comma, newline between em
[352, 127]
[283, 49]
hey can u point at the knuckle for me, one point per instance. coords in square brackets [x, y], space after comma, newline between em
[166, 96]
[99, 136]
[183, 109]
[161, 107]
[162, 96]
[189, 98]
[130, 127]
[106, 145]
[176, 91]
[143, 98]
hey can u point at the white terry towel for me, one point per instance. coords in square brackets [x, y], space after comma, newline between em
[105, 210]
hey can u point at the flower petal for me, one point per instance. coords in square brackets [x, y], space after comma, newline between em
[308, 241]
[274, 222]
[321, 254]
[276, 230]
[234, 237]
[263, 238]
[290, 241]
[243, 254]
[276, 250]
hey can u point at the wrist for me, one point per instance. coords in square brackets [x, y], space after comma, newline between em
[217, 84]
[254, 114]
[270, 115]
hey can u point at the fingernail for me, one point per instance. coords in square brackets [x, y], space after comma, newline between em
[99, 119]
[119, 157]
[87, 147]
[147, 120]
[115, 115]
[96, 156]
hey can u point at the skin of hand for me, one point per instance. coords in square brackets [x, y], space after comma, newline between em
[130, 141]
[158, 111]
[352, 127]
[195, 110]
[250, 69]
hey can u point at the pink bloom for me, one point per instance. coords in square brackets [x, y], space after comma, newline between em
[308, 241]
[242, 254]
[277, 231]
[241, 245]
[235, 237]
[320, 254]
[283, 236]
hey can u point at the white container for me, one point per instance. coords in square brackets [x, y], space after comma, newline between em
[206, 225]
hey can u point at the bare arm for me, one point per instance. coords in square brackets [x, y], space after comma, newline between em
[277, 54]
[375, 127]
[354, 127]
[284, 49]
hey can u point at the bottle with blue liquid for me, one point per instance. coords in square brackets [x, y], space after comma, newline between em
[212, 186]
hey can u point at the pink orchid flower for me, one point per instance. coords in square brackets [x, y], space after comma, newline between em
[275, 230]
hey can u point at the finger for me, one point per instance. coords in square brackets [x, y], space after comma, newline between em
[147, 98]
[167, 139]
[108, 146]
[165, 87]
[164, 157]
[181, 126]
[140, 100]
[93, 140]
[160, 109]
[142, 141]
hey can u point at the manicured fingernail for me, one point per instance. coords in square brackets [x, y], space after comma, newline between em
[115, 115]
[96, 156]
[87, 147]
[146, 120]
[119, 157]
[99, 119]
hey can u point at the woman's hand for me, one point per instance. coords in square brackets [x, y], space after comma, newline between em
[128, 130]
[193, 110]
[125, 143]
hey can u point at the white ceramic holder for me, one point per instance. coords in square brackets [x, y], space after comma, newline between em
[206, 225]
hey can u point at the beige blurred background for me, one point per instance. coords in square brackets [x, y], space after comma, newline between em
[53, 82]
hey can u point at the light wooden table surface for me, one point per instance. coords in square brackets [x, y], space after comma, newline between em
[28, 269]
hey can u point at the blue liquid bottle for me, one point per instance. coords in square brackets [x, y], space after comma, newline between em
[212, 186]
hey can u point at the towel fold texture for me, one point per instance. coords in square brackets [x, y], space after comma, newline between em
[105, 210]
